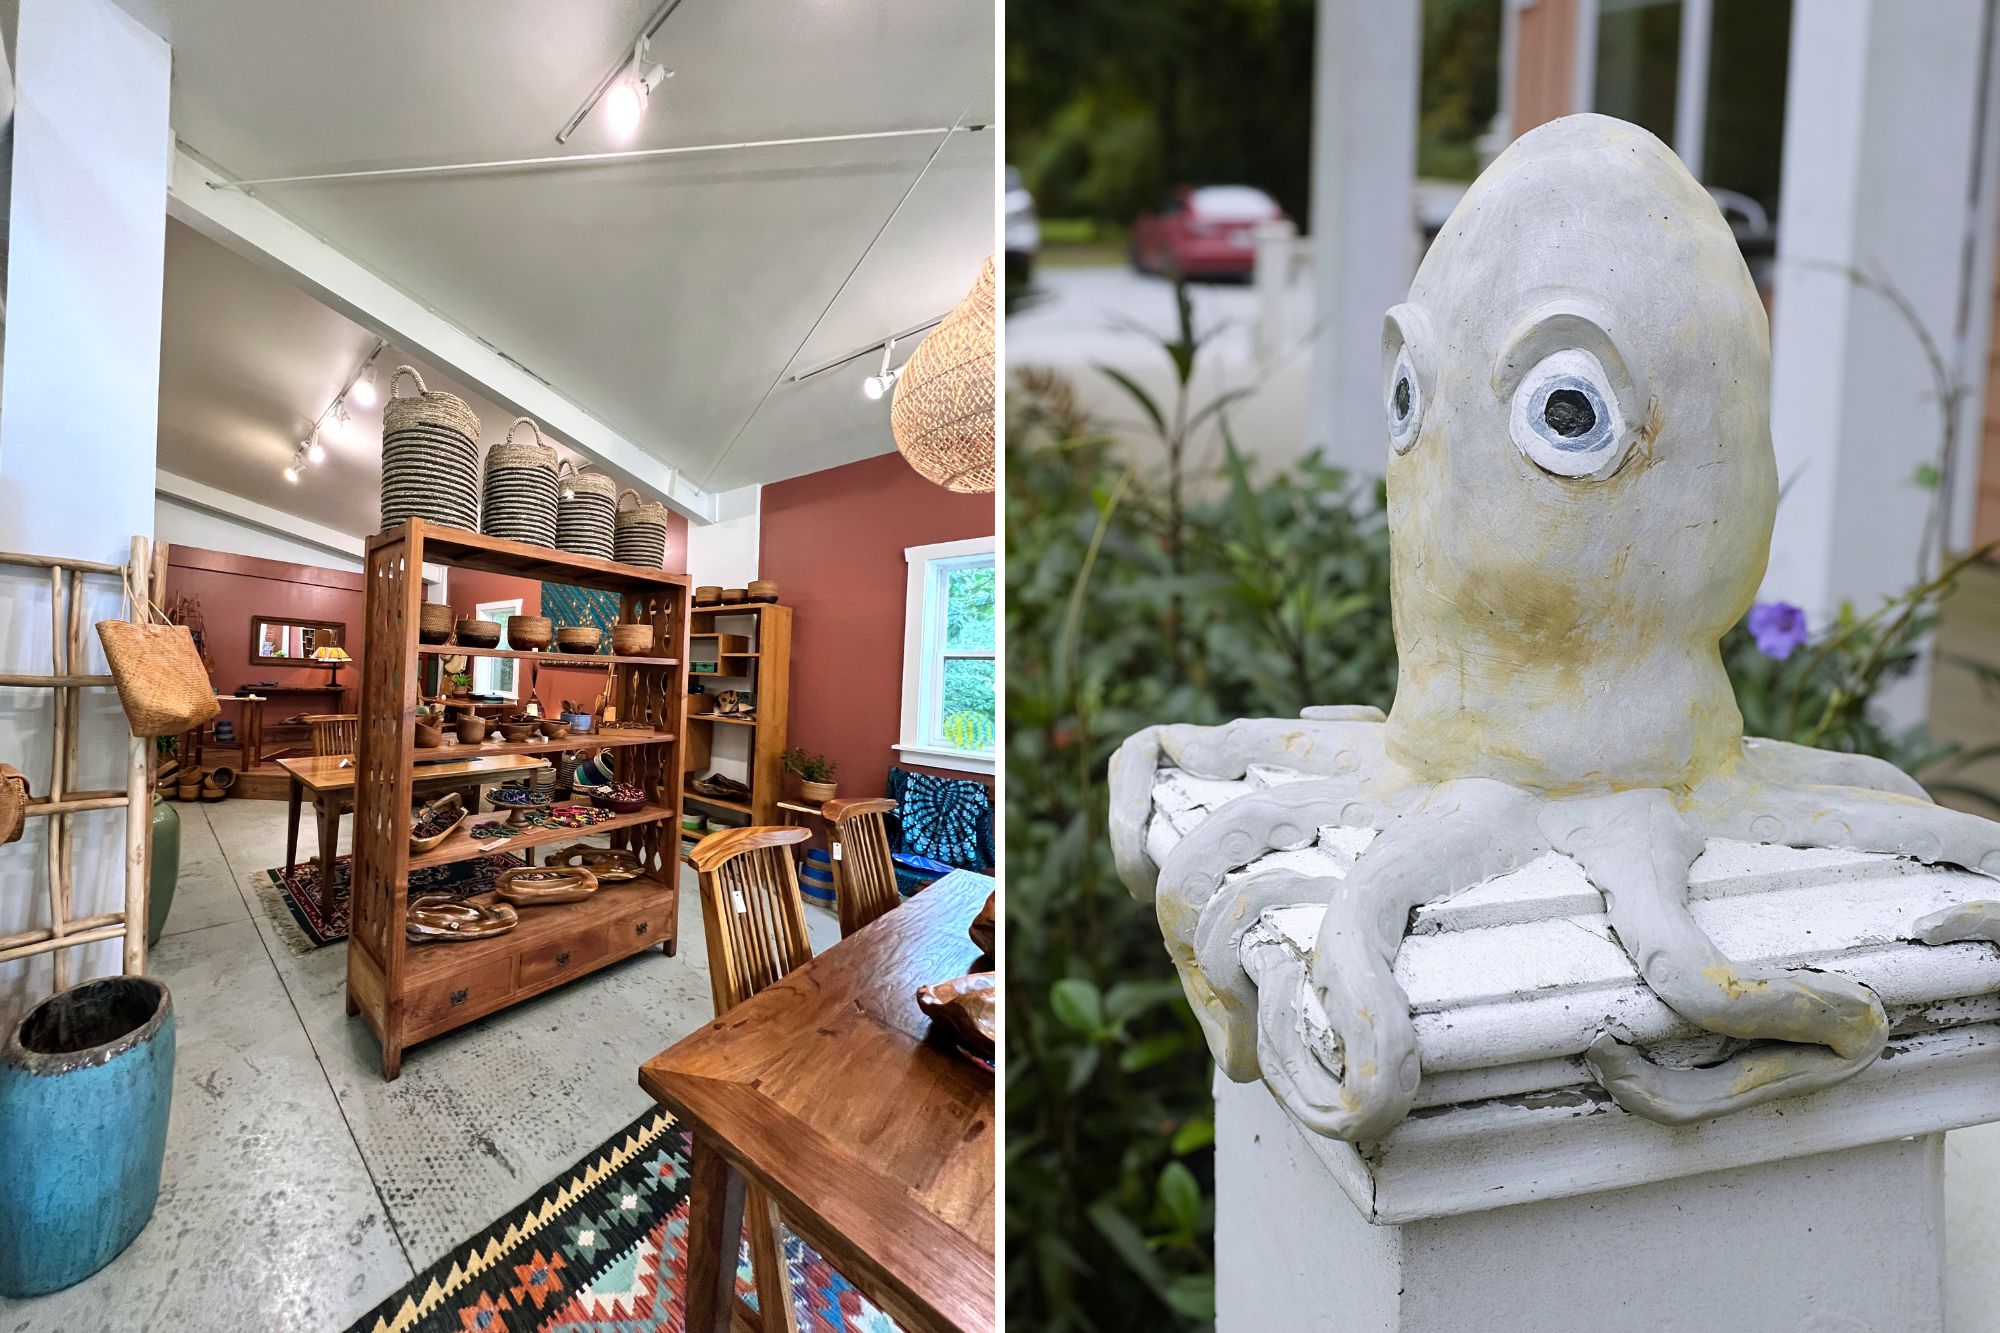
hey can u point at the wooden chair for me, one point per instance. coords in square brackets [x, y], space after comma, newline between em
[755, 922]
[334, 733]
[864, 874]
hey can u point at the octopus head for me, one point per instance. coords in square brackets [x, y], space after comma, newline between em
[1581, 483]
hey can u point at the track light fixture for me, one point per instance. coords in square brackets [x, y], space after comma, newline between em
[363, 390]
[626, 100]
[292, 474]
[877, 386]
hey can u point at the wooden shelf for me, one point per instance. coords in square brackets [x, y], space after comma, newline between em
[462, 846]
[576, 740]
[733, 609]
[691, 794]
[497, 555]
[546, 655]
[723, 717]
[449, 958]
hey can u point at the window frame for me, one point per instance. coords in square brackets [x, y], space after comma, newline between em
[924, 654]
[485, 667]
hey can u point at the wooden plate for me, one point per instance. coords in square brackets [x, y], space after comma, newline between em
[611, 865]
[439, 916]
[536, 886]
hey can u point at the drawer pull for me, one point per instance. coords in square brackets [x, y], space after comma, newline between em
[642, 927]
[562, 959]
[458, 997]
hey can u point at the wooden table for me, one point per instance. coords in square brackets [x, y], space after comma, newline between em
[830, 1091]
[330, 778]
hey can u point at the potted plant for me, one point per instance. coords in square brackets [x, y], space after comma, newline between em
[461, 684]
[815, 773]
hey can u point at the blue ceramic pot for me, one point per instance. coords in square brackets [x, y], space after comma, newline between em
[86, 1079]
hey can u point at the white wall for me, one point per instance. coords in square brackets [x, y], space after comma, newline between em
[725, 552]
[184, 524]
[79, 402]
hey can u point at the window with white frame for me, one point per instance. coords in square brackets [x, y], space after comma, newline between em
[949, 630]
[497, 675]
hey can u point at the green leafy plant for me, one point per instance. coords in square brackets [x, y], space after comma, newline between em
[461, 680]
[810, 768]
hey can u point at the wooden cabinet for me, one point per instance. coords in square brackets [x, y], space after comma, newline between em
[408, 992]
[743, 646]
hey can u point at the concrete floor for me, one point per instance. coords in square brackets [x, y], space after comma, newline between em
[300, 1189]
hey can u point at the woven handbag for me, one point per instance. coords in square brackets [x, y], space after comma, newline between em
[430, 456]
[641, 533]
[161, 682]
[584, 514]
[13, 803]
[520, 500]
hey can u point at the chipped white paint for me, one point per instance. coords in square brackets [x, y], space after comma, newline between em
[1562, 801]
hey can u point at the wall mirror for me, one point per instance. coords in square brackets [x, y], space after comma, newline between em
[287, 641]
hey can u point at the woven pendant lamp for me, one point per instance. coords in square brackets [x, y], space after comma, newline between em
[942, 416]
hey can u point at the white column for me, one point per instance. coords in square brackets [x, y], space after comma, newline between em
[1364, 238]
[1886, 170]
[79, 397]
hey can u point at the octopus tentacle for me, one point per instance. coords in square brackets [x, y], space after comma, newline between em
[1966, 921]
[1466, 833]
[1350, 744]
[1856, 818]
[1636, 847]
[1223, 992]
[1786, 764]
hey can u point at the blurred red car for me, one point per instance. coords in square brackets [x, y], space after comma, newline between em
[1205, 231]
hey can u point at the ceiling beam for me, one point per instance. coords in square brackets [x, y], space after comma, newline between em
[199, 196]
[193, 494]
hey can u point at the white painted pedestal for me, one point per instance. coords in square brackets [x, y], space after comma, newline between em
[1835, 1242]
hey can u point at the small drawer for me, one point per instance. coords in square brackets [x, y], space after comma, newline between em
[654, 925]
[475, 991]
[568, 956]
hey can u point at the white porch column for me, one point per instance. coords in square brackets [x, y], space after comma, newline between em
[79, 399]
[1364, 239]
[1886, 170]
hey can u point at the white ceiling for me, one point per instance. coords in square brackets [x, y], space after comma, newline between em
[671, 298]
[248, 363]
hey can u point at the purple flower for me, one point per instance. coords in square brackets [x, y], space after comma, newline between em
[1778, 627]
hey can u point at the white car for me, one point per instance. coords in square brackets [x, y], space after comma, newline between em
[1023, 233]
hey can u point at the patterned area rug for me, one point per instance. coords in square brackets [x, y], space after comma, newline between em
[292, 901]
[601, 1249]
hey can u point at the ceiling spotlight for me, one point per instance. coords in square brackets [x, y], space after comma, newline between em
[292, 474]
[315, 451]
[875, 386]
[625, 103]
[364, 391]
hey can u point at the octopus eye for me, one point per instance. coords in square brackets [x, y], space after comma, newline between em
[1565, 417]
[1405, 403]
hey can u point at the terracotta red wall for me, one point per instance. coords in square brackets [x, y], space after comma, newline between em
[834, 542]
[233, 588]
[467, 588]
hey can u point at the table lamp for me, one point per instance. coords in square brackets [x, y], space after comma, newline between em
[333, 657]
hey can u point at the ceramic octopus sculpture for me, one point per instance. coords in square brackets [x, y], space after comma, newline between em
[1581, 492]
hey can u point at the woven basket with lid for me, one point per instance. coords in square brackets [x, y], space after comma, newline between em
[641, 536]
[430, 456]
[521, 489]
[585, 513]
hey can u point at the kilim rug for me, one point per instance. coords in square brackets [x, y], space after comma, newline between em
[292, 901]
[601, 1249]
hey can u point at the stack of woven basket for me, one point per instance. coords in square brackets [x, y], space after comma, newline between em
[641, 537]
[521, 489]
[430, 456]
[584, 514]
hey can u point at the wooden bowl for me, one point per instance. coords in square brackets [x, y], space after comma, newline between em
[530, 632]
[477, 633]
[611, 865]
[579, 638]
[616, 805]
[519, 731]
[439, 916]
[535, 886]
[731, 596]
[763, 590]
[471, 729]
[708, 594]
[434, 623]
[428, 736]
[450, 806]
[553, 729]
[632, 640]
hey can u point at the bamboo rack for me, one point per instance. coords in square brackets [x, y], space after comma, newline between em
[61, 804]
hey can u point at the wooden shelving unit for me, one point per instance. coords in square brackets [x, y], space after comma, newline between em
[766, 671]
[409, 993]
